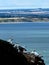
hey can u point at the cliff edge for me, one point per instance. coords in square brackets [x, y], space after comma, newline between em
[10, 56]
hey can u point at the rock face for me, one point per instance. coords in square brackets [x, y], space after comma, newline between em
[10, 56]
[33, 59]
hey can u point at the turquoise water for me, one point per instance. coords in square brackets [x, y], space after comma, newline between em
[31, 35]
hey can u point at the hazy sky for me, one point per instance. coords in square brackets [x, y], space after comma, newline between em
[24, 4]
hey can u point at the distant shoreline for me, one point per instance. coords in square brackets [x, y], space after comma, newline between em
[22, 20]
[11, 22]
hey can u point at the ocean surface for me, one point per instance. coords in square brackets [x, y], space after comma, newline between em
[33, 35]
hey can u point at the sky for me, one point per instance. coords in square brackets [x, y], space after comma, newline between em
[21, 4]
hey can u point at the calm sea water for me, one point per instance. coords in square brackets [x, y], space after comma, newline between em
[31, 35]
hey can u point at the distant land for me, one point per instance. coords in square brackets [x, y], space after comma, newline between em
[24, 15]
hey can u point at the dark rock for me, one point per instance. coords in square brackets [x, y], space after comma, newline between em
[10, 56]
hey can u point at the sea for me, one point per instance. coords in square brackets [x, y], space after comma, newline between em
[31, 35]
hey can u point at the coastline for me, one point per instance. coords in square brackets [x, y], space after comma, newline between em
[22, 20]
[13, 22]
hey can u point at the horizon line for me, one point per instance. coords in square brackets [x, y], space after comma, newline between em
[22, 8]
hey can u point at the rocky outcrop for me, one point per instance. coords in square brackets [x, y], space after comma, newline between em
[10, 56]
[33, 59]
